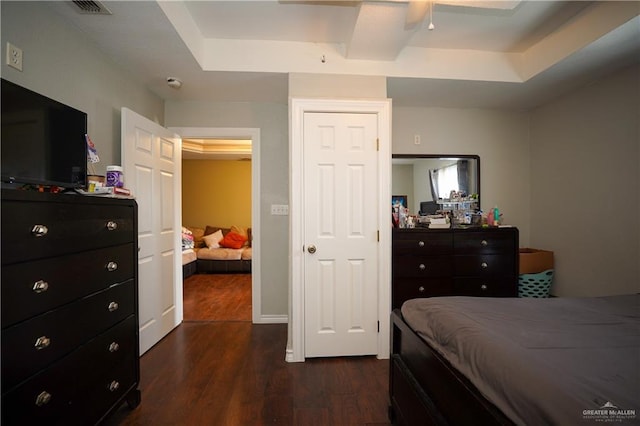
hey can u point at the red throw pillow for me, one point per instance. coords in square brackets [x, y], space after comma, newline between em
[233, 240]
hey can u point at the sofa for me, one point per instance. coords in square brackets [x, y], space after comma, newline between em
[215, 249]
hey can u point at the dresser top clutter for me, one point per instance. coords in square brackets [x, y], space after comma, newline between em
[69, 301]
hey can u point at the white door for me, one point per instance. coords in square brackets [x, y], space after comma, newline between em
[340, 234]
[151, 160]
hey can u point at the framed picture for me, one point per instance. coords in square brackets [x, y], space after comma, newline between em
[399, 199]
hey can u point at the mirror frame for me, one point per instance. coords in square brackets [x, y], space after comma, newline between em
[443, 156]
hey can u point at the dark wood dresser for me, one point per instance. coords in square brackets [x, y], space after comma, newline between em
[69, 307]
[454, 262]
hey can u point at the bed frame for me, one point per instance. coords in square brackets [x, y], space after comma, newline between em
[425, 389]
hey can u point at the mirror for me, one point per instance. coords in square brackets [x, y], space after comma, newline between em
[436, 182]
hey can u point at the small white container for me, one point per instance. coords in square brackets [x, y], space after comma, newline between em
[115, 176]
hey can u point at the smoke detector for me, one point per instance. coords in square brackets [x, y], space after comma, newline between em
[174, 83]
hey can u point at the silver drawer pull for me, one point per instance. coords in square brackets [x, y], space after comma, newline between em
[42, 342]
[39, 230]
[422, 267]
[114, 347]
[40, 286]
[112, 226]
[483, 287]
[113, 306]
[112, 266]
[114, 385]
[484, 243]
[484, 265]
[43, 398]
[420, 243]
[421, 289]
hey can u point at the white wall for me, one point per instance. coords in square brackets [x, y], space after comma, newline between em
[501, 139]
[272, 121]
[585, 186]
[59, 63]
[334, 86]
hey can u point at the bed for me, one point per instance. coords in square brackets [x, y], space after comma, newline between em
[473, 360]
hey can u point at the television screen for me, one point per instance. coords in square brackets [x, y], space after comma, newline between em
[43, 141]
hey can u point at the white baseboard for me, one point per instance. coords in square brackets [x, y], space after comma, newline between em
[289, 355]
[272, 319]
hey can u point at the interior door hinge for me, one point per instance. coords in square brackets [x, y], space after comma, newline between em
[377, 144]
[378, 236]
[378, 326]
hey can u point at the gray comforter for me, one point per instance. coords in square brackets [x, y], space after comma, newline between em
[558, 361]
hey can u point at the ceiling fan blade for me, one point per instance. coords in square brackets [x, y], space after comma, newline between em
[416, 12]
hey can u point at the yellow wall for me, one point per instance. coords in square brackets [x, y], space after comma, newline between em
[216, 193]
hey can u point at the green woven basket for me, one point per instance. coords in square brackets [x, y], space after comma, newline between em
[535, 285]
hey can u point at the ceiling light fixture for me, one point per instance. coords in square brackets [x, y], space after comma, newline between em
[174, 83]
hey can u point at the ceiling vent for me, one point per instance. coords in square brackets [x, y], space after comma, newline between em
[91, 7]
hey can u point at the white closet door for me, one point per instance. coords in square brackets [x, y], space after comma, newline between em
[340, 234]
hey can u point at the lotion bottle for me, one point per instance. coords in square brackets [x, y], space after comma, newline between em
[496, 216]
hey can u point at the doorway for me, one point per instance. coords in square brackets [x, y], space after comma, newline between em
[216, 201]
[208, 138]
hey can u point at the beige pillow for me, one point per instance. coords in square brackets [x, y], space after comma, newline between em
[239, 230]
[213, 240]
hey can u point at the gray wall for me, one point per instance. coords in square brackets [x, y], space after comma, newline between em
[272, 121]
[501, 139]
[585, 186]
[402, 184]
[60, 64]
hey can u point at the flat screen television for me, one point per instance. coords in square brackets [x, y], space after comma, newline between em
[43, 141]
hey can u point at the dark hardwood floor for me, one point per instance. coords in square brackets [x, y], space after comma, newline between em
[217, 297]
[228, 373]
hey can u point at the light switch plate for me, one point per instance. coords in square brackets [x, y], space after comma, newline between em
[279, 209]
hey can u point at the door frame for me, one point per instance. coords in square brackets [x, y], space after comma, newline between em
[254, 135]
[297, 108]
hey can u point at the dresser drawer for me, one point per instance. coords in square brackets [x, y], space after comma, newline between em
[413, 288]
[105, 390]
[451, 262]
[73, 382]
[490, 287]
[486, 242]
[485, 265]
[416, 243]
[38, 342]
[34, 287]
[422, 266]
[34, 230]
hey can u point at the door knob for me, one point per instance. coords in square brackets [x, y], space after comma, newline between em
[39, 230]
[311, 249]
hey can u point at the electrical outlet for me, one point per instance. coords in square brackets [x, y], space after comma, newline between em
[279, 209]
[14, 56]
[416, 139]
